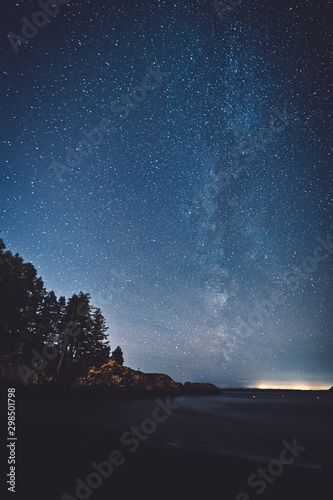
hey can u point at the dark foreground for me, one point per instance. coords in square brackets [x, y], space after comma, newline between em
[56, 445]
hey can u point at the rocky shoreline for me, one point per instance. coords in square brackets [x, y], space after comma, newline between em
[113, 378]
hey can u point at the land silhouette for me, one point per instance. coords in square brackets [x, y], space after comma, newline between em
[53, 342]
[78, 405]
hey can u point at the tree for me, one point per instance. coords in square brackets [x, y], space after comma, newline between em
[75, 356]
[31, 317]
[117, 356]
[100, 350]
[2, 246]
[21, 297]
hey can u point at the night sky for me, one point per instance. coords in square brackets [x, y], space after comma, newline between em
[200, 220]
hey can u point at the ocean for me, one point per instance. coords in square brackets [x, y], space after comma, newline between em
[246, 424]
[187, 444]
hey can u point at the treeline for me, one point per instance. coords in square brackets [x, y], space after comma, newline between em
[39, 333]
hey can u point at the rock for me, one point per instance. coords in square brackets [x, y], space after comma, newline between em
[200, 388]
[109, 376]
[115, 377]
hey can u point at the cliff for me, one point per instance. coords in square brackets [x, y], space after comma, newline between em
[110, 376]
[115, 377]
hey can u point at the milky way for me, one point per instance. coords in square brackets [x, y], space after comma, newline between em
[174, 162]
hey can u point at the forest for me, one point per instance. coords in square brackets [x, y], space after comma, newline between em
[44, 336]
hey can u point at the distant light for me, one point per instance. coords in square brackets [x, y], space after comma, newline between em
[290, 385]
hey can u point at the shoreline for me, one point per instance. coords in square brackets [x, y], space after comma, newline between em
[64, 390]
[58, 442]
[153, 471]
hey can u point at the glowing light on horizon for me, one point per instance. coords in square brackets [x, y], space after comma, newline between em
[291, 385]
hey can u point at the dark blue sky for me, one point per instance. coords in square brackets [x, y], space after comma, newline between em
[194, 222]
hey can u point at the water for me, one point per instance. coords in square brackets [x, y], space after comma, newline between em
[64, 434]
[254, 424]
[246, 424]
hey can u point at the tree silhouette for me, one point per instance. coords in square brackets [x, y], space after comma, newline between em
[117, 356]
[21, 295]
[33, 319]
[100, 350]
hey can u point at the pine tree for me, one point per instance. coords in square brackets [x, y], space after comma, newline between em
[21, 297]
[117, 356]
[31, 317]
[100, 350]
[49, 318]
[61, 319]
[75, 357]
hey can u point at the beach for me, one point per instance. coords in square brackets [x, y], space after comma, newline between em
[204, 446]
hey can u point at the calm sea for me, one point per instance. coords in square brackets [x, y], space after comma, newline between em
[249, 424]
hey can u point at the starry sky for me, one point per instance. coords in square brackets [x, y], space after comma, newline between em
[199, 215]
